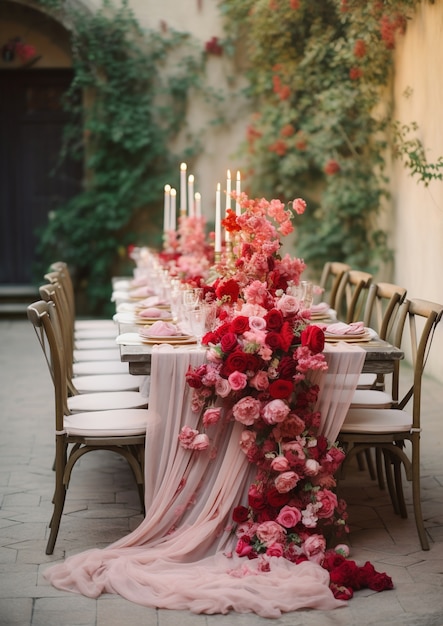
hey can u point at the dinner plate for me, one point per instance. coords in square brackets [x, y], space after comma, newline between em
[148, 321]
[173, 341]
[363, 337]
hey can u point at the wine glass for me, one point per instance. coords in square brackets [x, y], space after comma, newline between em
[197, 322]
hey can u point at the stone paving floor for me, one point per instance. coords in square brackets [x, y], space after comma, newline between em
[102, 506]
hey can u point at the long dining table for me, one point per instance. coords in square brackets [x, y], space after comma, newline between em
[183, 555]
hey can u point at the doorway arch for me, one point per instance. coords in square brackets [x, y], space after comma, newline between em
[31, 128]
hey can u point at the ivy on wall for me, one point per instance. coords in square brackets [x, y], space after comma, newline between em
[319, 74]
[128, 103]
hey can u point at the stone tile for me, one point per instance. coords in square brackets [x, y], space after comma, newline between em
[15, 612]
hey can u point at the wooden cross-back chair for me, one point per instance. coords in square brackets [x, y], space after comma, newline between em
[119, 431]
[330, 279]
[351, 296]
[396, 431]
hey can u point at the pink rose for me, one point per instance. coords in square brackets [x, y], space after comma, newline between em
[314, 547]
[288, 304]
[270, 532]
[288, 517]
[222, 387]
[237, 380]
[200, 442]
[243, 548]
[257, 323]
[328, 501]
[247, 439]
[312, 467]
[247, 410]
[260, 381]
[286, 481]
[275, 411]
[275, 549]
[187, 436]
[211, 416]
[280, 464]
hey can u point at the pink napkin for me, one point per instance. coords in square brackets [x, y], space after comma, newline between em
[340, 328]
[153, 312]
[141, 281]
[141, 292]
[321, 307]
[151, 301]
[160, 329]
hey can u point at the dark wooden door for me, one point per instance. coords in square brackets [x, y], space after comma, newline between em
[31, 127]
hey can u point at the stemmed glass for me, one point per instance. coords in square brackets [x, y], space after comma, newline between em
[197, 322]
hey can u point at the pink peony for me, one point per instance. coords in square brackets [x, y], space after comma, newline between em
[286, 481]
[280, 464]
[187, 436]
[275, 411]
[270, 532]
[211, 416]
[247, 410]
[314, 547]
[247, 439]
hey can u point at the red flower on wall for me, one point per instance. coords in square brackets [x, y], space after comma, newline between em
[213, 46]
[331, 167]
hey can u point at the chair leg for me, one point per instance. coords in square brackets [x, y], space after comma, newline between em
[379, 468]
[370, 463]
[390, 480]
[59, 495]
[416, 497]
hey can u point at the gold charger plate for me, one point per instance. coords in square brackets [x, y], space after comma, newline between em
[173, 341]
[365, 337]
[148, 321]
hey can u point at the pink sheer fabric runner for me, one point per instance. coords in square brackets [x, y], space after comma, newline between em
[180, 557]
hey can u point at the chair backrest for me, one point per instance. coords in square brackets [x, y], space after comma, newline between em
[42, 316]
[422, 317]
[64, 277]
[351, 295]
[53, 292]
[382, 306]
[330, 280]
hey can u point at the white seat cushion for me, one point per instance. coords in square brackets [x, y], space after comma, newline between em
[94, 344]
[105, 401]
[108, 354]
[94, 324]
[368, 398]
[377, 421]
[118, 423]
[107, 382]
[93, 368]
[90, 333]
[367, 380]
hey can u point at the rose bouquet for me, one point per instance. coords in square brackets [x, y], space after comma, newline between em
[259, 358]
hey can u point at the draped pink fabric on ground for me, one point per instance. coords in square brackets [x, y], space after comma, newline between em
[180, 557]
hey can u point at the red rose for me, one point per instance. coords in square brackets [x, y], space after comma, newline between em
[240, 514]
[340, 592]
[236, 362]
[281, 388]
[287, 368]
[255, 498]
[228, 342]
[346, 574]
[273, 340]
[380, 582]
[228, 290]
[277, 499]
[274, 319]
[314, 338]
[240, 324]
[193, 379]
[286, 336]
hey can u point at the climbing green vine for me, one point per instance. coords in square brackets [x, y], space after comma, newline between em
[128, 103]
[318, 73]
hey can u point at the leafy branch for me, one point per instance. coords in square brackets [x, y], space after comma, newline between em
[411, 151]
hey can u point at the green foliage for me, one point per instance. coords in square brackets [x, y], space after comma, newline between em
[128, 102]
[411, 151]
[318, 73]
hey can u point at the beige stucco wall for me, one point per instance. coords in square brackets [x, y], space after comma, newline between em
[201, 18]
[418, 210]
